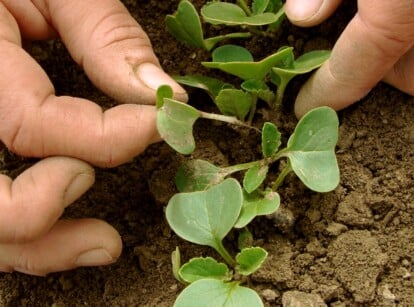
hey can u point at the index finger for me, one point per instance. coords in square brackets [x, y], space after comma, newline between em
[379, 34]
[35, 122]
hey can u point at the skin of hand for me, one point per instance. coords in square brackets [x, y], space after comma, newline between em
[117, 56]
[376, 45]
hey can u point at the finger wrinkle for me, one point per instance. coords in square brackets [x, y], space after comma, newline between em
[121, 28]
[393, 39]
[125, 35]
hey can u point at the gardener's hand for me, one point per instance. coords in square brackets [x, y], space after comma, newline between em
[376, 45]
[117, 56]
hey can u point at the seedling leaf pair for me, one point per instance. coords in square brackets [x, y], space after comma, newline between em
[238, 61]
[248, 261]
[311, 150]
[186, 27]
[206, 217]
[282, 74]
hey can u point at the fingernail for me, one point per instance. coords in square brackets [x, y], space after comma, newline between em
[79, 185]
[93, 257]
[304, 9]
[153, 77]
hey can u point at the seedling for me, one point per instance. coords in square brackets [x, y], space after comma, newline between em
[210, 203]
[186, 27]
[261, 13]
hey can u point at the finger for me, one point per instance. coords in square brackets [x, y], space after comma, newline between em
[307, 13]
[401, 74]
[69, 244]
[113, 49]
[380, 33]
[32, 203]
[35, 122]
[32, 23]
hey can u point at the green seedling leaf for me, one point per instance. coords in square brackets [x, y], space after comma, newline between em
[249, 69]
[231, 53]
[211, 85]
[198, 175]
[185, 25]
[213, 292]
[270, 139]
[259, 6]
[311, 149]
[281, 75]
[176, 263]
[260, 89]
[274, 6]
[201, 268]
[231, 14]
[254, 177]
[234, 102]
[255, 204]
[249, 260]
[175, 122]
[206, 217]
[164, 91]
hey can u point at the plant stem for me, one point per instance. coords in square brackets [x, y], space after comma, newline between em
[219, 247]
[281, 177]
[245, 7]
[279, 94]
[227, 119]
[252, 110]
[240, 167]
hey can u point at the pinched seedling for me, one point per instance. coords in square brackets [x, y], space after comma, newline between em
[186, 27]
[232, 14]
[281, 74]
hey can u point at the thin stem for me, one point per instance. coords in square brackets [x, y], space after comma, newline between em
[252, 110]
[227, 119]
[224, 253]
[240, 167]
[279, 94]
[281, 177]
[245, 7]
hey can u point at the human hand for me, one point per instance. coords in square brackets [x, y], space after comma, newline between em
[376, 45]
[117, 56]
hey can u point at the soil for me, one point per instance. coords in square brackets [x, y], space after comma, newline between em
[351, 247]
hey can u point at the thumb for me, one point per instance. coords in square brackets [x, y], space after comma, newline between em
[308, 13]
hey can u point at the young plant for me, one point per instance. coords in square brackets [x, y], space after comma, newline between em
[279, 67]
[210, 203]
[186, 27]
[262, 12]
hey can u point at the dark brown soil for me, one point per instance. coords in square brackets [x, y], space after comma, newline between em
[350, 247]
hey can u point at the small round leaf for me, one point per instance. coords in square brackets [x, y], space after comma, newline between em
[201, 268]
[250, 259]
[206, 217]
[214, 293]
